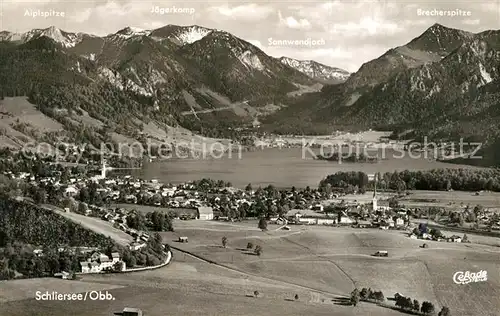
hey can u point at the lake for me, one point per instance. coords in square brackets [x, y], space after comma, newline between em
[279, 167]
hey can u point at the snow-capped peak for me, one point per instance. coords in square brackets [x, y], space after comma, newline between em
[129, 32]
[55, 34]
[61, 37]
[191, 34]
[316, 70]
[251, 60]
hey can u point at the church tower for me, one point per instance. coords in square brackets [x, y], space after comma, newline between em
[103, 170]
[374, 199]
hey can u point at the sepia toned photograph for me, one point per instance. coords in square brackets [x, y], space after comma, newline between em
[262, 158]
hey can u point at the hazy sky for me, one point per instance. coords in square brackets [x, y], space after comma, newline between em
[354, 31]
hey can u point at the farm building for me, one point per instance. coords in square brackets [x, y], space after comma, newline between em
[127, 311]
[399, 221]
[184, 212]
[90, 267]
[455, 238]
[310, 217]
[343, 218]
[364, 224]
[205, 213]
[136, 246]
[63, 275]
[325, 221]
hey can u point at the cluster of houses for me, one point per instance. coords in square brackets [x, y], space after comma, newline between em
[346, 216]
[219, 202]
[426, 236]
[118, 217]
[100, 262]
[38, 251]
[354, 214]
[96, 260]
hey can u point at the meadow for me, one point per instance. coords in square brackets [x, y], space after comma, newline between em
[95, 224]
[319, 264]
[335, 260]
[425, 198]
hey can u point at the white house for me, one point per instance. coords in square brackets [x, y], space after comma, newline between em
[128, 311]
[115, 257]
[307, 220]
[136, 246]
[325, 221]
[90, 267]
[205, 213]
[390, 221]
[110, 181]
[344, 219]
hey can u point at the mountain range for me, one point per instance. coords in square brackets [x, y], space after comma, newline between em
[206, 80]
[444, 84]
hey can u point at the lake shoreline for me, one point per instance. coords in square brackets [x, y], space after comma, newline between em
[279, 167]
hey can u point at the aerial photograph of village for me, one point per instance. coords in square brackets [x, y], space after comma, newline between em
[250, 158]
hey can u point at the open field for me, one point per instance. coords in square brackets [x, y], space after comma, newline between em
[452, 199]
[334, 259]
[190, 287]
[18, 108]
[20, 121]
[95, 224]
[317, 263]
[424, 198]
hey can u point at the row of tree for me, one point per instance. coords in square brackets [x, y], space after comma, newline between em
[26, 223]
[156, 221]
[436, 179]
[426, 308]
[366, 294]
[257, 250]
[341, 157]
[405, 303]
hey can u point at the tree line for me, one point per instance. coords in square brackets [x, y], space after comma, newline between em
[25, 227]
[404, 303]
[155, 221]
[435, 180]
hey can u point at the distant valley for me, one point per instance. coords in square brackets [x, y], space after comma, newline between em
[444, 84]
[204, 80]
